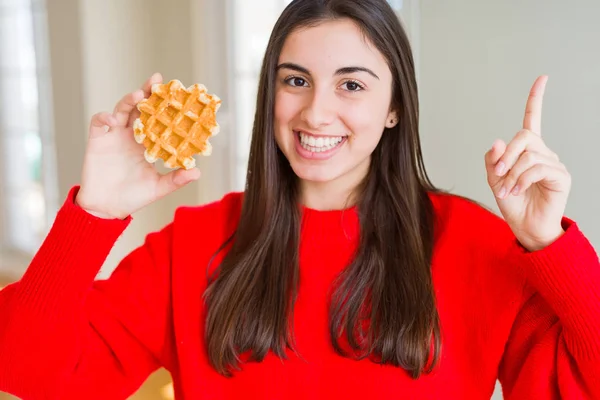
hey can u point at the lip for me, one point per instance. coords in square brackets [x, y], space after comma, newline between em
[316, 134]
[324, 155]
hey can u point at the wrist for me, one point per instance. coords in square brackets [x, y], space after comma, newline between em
[95, 211]
[536, 245]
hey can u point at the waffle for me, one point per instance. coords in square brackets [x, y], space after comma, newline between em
[176, 123]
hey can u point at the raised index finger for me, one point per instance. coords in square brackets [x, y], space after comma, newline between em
[533, 109]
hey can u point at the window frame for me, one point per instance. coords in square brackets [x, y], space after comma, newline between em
[15, 259]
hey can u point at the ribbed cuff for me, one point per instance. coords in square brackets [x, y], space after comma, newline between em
[69, 259]
[567, 276]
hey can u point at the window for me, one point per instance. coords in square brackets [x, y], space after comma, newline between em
[252, 22]
[27, 173]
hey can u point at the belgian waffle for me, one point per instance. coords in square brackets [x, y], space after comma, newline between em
[176, 123]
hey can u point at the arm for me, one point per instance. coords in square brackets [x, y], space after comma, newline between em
[554, 347]
[62, 335]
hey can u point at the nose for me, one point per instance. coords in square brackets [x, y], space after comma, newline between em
[319, 110]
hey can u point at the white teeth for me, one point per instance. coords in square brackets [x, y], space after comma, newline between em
[319, 144]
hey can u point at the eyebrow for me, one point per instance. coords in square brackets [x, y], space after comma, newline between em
[340, 71]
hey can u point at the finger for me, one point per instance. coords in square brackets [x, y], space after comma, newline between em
[523, 140]
[100, 122]
[127, 104]
[533, 109]
[526, 161]
[147, 89]
[552, 177]
[176, 179]
[491, 158]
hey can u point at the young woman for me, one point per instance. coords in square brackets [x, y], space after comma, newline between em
[340, 272]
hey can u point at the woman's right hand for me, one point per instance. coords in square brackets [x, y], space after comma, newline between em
[117, 180]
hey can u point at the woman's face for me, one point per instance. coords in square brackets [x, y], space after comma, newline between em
[332, 102]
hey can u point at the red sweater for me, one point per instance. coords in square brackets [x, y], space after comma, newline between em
[531, 320]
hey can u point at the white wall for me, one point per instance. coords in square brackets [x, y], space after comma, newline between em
[478, 61]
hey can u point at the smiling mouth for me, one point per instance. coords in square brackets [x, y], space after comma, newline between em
[319, 144]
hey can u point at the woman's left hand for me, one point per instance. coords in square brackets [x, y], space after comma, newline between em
[530, 184]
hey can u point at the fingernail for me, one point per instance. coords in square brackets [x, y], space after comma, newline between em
[515, 191]
[500, 168]
[502, 193]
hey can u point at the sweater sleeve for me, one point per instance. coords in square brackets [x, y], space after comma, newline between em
[553, 350]
[65, 335]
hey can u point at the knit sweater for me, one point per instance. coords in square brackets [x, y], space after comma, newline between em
[529, 319]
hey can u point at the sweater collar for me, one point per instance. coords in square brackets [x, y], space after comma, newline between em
[329, 226]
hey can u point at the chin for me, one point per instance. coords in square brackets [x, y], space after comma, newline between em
[319, 174]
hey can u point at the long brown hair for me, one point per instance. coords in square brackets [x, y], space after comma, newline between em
[388, 283]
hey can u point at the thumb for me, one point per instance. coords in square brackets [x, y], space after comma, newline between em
[176, 179]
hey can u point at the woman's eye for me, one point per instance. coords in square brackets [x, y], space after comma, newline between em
[353, 86]
[295, 81]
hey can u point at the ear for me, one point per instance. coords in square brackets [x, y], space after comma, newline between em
[391, 120]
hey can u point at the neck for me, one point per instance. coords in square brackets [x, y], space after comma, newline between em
[337, 194]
